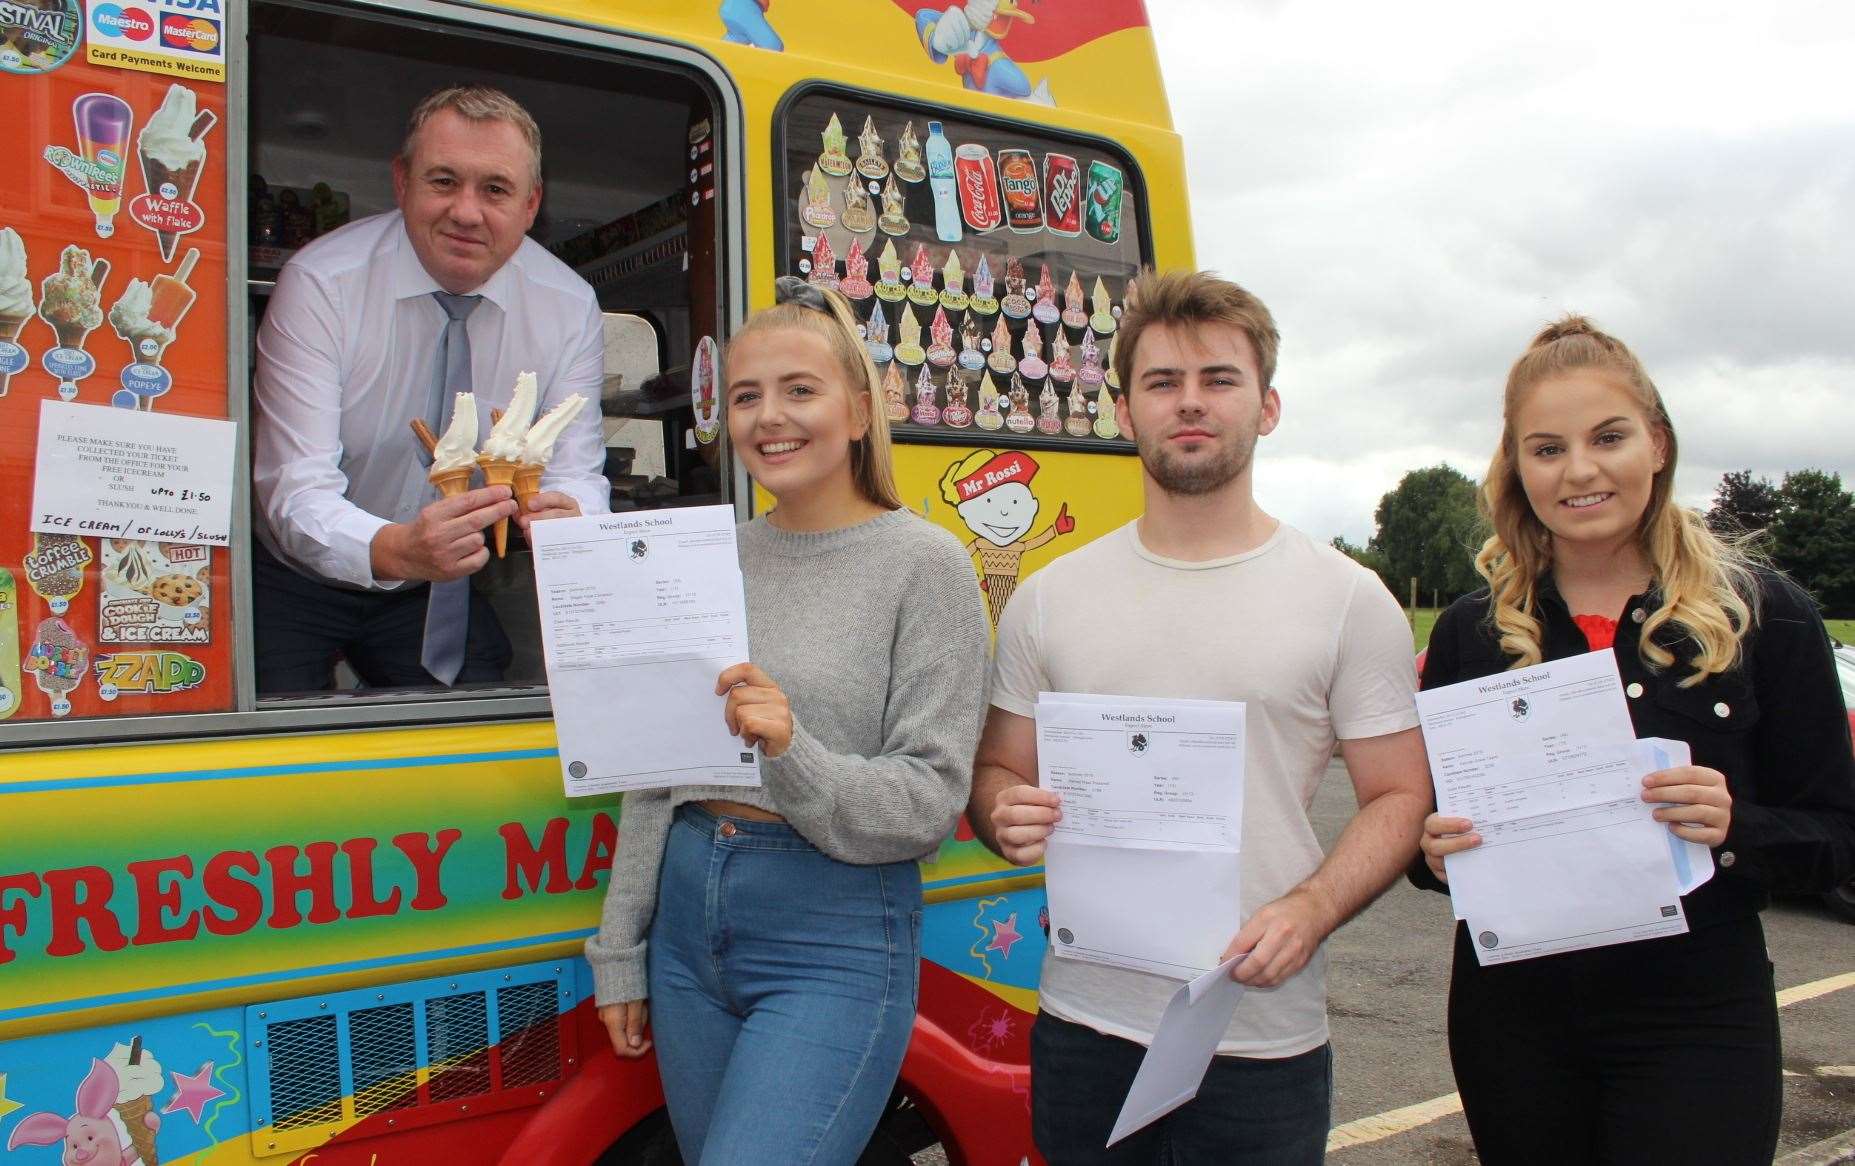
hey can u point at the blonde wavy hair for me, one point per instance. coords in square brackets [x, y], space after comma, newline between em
[829, 316]
[1708, 591]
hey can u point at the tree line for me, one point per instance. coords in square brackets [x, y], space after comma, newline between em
[1430, 526]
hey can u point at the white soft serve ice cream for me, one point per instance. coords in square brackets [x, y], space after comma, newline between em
[167, 135]
[142, 1079]
[505, 440]
[129, 316]
[15, 289]
[538, 446]
[457, 449]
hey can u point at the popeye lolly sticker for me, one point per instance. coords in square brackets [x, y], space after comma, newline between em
[57, 662]
[55, 568]
[10, 691]
[702, 391]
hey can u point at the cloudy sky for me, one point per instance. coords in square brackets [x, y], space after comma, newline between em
[1414, 189]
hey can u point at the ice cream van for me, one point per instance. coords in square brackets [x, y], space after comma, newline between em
[344, 926]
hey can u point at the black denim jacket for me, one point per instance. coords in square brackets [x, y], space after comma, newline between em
[1775, 726]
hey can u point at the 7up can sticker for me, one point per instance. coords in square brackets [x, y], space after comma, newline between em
[1101, 215]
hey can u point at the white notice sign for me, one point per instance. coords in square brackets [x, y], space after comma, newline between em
[123, 473]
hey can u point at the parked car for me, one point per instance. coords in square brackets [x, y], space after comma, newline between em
[1842, 899]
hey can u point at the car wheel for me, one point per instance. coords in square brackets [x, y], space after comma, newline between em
[1842, 901]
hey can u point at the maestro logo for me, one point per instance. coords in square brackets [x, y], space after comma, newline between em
[127, 23]
[195, 33]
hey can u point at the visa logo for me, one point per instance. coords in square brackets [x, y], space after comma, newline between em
[201, 6]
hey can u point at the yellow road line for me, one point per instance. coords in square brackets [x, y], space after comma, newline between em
[1811, 991]
[1396, 1121]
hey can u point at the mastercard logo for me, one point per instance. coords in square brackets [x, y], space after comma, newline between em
[190, 32]
[128, 23]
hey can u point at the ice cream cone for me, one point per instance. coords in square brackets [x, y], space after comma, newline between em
[132, 1112]
[185, 179]
[527, 483]
[451, 483]
[10, 328]
[499, 472]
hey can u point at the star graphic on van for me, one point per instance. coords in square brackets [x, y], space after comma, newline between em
[1004, 935]
[192, 1093]
[6, 1104]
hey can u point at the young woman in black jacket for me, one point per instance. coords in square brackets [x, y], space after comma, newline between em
[1663, 1050]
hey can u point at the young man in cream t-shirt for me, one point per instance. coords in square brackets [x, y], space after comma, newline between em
[1207, 597]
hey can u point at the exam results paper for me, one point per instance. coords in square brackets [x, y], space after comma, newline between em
[640, 613]
[1143, 871]
[1545, 763]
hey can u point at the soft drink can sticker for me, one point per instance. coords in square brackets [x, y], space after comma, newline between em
[1023, 194]
[1062, 195]
[977, 178]
[1102, 213]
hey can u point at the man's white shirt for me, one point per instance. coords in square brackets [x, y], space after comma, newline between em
[346, 357]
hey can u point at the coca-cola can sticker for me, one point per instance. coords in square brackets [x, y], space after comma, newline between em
[39, 36]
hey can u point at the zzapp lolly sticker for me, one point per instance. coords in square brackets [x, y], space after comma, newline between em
[55, 568]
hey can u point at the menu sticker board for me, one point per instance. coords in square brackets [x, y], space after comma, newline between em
[183, 38]
[121, 473]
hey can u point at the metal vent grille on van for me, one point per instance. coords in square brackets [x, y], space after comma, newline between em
[405, 1056]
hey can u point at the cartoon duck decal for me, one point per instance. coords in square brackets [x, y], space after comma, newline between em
[744, 22]
[991, 491]
[970, 36]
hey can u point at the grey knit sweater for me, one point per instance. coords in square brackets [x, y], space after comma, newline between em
[878, 637]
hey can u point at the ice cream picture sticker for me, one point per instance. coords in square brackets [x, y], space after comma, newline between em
[68, 301]
[702, 391]
[37, 36]
[56, 661]
[55, 569]
[146, 315]
[172, 152]
[16, 306]
[103, 122]
[154, 593]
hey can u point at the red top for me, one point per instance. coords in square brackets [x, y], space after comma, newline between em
[1599, 631]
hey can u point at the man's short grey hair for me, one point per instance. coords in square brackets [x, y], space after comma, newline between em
[477, 103]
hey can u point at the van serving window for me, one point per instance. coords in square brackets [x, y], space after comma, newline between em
[988, 260]
[127, 637]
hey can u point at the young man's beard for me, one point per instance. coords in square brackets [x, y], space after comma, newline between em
[1201, 477]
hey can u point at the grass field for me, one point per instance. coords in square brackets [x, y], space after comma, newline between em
[1842, 629]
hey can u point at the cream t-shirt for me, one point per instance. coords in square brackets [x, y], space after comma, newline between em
[1309, 640]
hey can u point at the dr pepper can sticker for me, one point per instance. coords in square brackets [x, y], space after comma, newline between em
[37, 36]
[1062, 195]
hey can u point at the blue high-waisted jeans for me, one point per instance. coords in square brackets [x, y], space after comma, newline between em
[782, 991]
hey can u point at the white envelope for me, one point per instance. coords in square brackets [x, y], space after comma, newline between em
[1168, 912]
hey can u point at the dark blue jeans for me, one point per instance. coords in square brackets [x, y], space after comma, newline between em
[782, 992]
[1250, 1111]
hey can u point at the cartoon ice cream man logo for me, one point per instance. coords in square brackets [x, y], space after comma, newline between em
[992, 492]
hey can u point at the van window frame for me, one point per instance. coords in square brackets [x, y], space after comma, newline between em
[397, 708]
[785, 181]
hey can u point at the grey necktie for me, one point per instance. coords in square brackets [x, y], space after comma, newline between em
[447, 611]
